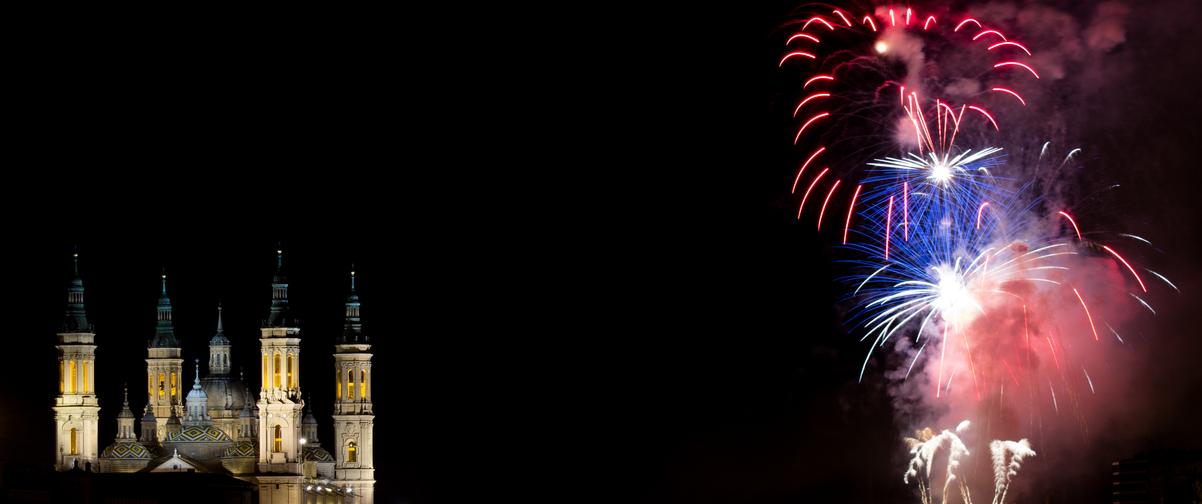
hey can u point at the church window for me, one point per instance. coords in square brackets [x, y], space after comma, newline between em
[162, 385]
[276, 371]
[74, 376]
[173, 384]
[338, 384]
[264, 371]
[279, 440]
[291, 383]
[350, 385]
[74, 441]
[62, 375]
[362, 384]
[85, 377]
[351, 452]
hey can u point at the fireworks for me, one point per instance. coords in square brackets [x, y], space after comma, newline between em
[948, 242]
[844, 113]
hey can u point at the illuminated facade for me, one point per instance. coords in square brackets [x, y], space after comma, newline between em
[269, 440]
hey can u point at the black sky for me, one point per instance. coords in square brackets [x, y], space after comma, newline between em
[578, 265]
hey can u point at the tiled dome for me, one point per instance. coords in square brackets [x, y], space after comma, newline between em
[197, 434]
[316, 454]
[242, 449]
[126, 451]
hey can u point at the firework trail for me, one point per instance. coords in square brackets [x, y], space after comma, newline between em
[924, 447]
[1003, 473]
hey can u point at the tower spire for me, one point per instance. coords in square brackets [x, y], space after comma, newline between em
[164, 331]
[76, 319]
[219, 349]
[280, 315]
[352, 331]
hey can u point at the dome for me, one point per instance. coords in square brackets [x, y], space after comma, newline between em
[125, 451]
[197, 434]
[316, 454]
[216, 387]
[242, 449]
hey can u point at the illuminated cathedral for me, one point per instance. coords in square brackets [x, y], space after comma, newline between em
[217, 425]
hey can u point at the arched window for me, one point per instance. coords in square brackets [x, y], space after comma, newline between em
[74, 441]
[362, 384]
[74, 376]
[264, 375]
[85, 377]
[352, 452]
[337, 384]
[279, 440]
[350, 385]
[276, 371]
[162, 385]
[291, 383]
[173, 384]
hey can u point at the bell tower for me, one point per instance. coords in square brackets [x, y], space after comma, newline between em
[353, 417]
[164, 367]
[76, 410]
[280, 402]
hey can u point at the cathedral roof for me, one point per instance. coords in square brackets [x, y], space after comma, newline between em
[315, 454]
[76, 319]
[197, 434]
[242, 449]
[127, 450]
[164, 330]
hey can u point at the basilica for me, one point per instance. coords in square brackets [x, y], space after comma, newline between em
[218, 425]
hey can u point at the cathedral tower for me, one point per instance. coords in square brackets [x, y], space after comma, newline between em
[164, 367]
[352, 404]
[76, 411]
[280, 403]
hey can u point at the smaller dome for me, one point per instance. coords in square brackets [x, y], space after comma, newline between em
[217, 387]
[197, 434]
[242, 449]
[316, 454]
[125, 451]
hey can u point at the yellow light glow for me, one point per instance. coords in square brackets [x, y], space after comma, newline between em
[264, 375]
[350, 385]
[279, 440]
[362, 384]
[74, 441]
[291, 382]
[276, 371]
[74, 376]
[85, 377]
[62, 375]
[337, 384]
[173, 384]
[351, 452]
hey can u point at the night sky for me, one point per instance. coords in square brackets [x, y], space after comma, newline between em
[578, 263]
